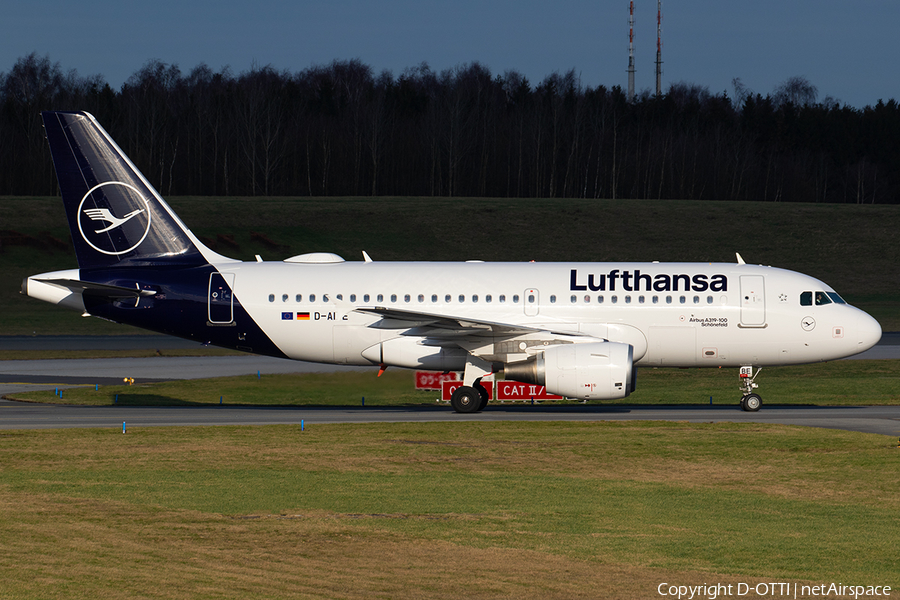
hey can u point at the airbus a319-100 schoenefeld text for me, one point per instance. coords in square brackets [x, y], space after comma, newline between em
[579, 329]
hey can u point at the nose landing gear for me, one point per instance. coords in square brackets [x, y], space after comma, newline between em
[750, 401]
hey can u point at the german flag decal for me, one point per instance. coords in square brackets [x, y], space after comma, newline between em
[303, 316]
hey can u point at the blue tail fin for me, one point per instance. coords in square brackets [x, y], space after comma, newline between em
[115, 215]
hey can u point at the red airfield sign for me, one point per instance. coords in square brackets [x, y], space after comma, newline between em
[514, 390]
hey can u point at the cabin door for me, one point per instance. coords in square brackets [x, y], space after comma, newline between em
[753, 301]
[220, 298]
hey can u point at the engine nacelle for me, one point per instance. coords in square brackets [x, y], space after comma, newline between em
[593, 371]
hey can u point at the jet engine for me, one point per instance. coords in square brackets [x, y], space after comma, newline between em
[590, 371]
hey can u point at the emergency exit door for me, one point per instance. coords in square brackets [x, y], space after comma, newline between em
[532, 302]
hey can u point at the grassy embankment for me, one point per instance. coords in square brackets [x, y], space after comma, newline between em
[852, 248]
[475, 510]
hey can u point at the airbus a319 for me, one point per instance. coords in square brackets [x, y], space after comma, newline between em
[579, 329]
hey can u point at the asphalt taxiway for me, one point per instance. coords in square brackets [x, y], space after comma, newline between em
[17, 415]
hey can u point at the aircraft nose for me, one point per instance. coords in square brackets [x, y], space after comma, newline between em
[869, 331]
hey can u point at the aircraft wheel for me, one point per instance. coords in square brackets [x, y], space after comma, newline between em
[752, 402]
[484, 396]
[466, 400]
[743, 406]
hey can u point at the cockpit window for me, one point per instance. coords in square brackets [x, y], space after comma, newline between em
[822, 299]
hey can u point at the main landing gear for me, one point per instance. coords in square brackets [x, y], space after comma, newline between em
[472, 397]
[750, 401]
[469, 399]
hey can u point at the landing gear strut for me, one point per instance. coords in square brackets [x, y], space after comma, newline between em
[750, 401]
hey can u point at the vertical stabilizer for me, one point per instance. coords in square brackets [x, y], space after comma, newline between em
[115, 215]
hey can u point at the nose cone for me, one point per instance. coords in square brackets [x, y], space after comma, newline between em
[868, 332]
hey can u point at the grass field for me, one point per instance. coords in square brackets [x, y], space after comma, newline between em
[852, 248]
[468, 510]
[840, 383]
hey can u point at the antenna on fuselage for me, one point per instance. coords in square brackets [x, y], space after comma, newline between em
[740, 258]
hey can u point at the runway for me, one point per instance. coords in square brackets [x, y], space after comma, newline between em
[43, 374]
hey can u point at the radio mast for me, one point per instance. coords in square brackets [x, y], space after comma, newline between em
[658, 47]
[631, 51]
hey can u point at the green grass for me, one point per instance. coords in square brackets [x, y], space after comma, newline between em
[850, 247]
[479, 510]
[840, 383]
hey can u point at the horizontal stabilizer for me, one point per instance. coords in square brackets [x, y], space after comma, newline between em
[100, 289]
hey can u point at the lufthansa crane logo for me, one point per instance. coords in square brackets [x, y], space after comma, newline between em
[114, 218]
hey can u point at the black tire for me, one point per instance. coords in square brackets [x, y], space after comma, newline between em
[752, 402]
[482, 391]
[743, 406]
[466, 400]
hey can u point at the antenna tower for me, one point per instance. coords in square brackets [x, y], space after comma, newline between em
[658, 47]
[631, 51]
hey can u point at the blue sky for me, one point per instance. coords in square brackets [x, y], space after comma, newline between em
[846, 48]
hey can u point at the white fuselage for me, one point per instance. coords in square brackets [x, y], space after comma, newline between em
[673, 314]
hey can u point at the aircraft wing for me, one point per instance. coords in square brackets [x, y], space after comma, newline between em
[401, 319]
[101, 289]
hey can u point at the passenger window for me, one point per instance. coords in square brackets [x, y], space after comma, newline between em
[434, 298]
[312, 297]
[393, 297]
[531, 299]
[462, 298]
[614, 299]
[487, 298]
[324, 297]
[352, 297]
[627, 299]
[299, 298]
[552, 299]
[587, 299]
[806, 299]
[681, 299]
[365, 298]
[474, 297]
[284, 298]
[696, 299]
[380, 298]
[340, 296]
[599, 299]
[447, 298]
[640, 299]
[516, 299]
[271, 297]
[502, 298]
[406, 298]
[668, 299]
[655, 299]
[709, 299]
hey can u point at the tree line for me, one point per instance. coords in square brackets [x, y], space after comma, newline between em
[342, 130]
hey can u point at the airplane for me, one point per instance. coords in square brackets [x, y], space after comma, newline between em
[578, 329]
